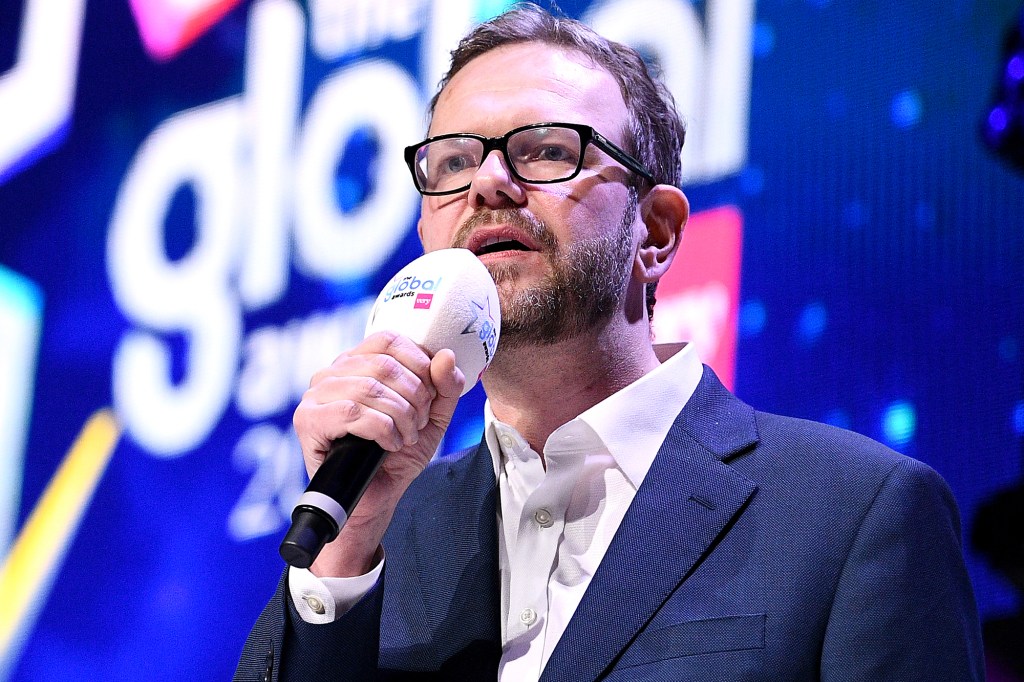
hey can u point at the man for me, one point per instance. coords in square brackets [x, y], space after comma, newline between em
[624, 517]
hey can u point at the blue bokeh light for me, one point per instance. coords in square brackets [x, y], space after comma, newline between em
[906, 109]
[1018, 418]
[1015, 68]
[998, 120]
[763, 39]
[753, 317]
[488, 9]
[812, 323]
[752, 180]
[899, 423]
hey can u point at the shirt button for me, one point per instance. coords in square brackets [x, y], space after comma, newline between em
[506, 441]
[543, 518]
[315, 604]
[528, 616]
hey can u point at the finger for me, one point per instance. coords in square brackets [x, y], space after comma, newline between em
[393, 360]
[449, 381]
[408, 406]
[379, 377]
[366, 423]
[401, 348]
[317, 427]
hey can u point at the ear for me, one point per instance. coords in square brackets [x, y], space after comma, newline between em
[663, 212]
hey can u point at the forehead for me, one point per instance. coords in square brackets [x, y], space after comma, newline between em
[527, 83]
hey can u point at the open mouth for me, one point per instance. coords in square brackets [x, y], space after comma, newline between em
[499, 244]
[502, 239]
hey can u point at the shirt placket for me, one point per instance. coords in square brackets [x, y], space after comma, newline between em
[538, 532]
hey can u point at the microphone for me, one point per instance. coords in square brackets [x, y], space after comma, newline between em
[444, 299]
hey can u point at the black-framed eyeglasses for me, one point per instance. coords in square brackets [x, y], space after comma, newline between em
[536, 153]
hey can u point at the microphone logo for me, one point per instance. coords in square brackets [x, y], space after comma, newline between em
[408, 286]
[484, 326]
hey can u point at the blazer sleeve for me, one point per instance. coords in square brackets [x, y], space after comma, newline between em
[282, 647]
[904, 609]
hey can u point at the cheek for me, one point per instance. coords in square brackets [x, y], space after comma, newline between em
[596, 214]
[437, 225]
[431, 240]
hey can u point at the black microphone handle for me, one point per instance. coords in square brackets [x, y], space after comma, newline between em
[330, 498]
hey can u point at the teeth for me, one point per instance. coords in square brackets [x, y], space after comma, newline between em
[494, 240]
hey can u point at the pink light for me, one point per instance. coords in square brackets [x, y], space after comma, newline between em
[169, 26]
[698, 299]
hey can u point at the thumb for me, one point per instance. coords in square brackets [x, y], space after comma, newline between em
[449, 381]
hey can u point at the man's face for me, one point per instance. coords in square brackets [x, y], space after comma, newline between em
[570, 244]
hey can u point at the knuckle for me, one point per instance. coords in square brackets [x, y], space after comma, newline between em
[390, 338]
[421, 399]
[374, 389]
[388, 368]
[384, 341]
[392, 434]
[301, 417]
[349, 410]
[338, 368]
[317, 377]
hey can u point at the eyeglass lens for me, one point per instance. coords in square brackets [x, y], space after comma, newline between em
[543, 154]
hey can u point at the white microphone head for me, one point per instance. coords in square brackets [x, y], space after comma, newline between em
[443, 299]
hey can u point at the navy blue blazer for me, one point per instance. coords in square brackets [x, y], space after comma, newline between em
[758, 547]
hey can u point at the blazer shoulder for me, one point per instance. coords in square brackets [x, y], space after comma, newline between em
[806, 434]
[789, 453]
[835, 456]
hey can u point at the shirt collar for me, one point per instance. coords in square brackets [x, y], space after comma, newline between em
[632, 423]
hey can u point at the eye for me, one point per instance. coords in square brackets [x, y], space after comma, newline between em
[553, 152]
[546, 149]
[454, 164]
[450, 157]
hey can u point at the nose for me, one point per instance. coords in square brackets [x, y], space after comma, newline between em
[494, 186]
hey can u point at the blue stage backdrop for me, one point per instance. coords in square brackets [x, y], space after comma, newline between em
[198, 201]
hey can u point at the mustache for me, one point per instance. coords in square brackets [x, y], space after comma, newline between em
[532, 226]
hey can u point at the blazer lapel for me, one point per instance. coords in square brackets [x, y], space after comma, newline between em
[686, 501]
[455, 541]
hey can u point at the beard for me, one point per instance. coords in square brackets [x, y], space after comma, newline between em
[585, 285]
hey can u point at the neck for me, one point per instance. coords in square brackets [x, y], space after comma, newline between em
[536, 389]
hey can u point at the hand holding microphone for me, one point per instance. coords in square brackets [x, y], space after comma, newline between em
[389, 400]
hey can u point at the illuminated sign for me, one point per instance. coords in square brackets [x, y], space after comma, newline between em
[169, 26]
[201, 197]
[264, 177]
[262, 167]
[698, 298]
[21, 305]
[36, 94]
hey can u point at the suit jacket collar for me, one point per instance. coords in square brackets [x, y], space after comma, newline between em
[686, 502]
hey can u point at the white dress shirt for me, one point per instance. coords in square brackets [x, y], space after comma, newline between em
[556, 516]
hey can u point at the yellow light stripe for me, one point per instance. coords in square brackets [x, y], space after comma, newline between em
[36, 553]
